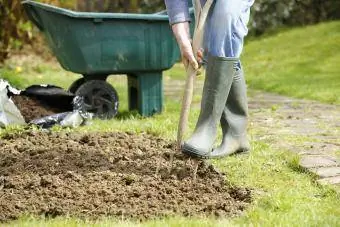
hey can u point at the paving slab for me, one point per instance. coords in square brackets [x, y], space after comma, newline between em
[324, 172]
[311, 161]
[330, 180]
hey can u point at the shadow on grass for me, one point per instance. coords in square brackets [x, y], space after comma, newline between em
[294, 164]
[128, 115]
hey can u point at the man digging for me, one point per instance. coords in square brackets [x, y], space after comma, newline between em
[224, 97]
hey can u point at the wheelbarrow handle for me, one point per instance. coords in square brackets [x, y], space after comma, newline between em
[34, 16]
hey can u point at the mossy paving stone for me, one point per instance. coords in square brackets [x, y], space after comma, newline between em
[111, 174]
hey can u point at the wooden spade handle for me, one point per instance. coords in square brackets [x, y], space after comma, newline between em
[201, 16]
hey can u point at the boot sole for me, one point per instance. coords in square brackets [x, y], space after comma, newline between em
[194, 153]
[238, 152]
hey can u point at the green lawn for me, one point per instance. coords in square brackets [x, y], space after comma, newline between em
[284, 195]
[301, 62]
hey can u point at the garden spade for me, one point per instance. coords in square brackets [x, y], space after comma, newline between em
[201, 14]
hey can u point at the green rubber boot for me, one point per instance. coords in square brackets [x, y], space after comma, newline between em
[234, 120]
[219, 77]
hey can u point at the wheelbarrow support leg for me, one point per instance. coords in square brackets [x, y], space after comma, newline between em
[145, 92]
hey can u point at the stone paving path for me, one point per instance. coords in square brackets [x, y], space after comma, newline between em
[308, 128]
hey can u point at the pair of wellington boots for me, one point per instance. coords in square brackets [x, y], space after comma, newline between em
[224, 101]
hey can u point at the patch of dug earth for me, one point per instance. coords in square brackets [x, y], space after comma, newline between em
[31, 108]
[107, 174]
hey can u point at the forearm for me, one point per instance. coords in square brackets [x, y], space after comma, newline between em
[182, 33]
[178, 11]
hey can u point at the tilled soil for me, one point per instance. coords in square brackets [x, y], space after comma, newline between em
[31, 108]
[108, 174]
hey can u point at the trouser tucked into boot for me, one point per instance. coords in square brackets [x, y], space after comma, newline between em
[234, 120]
[224, 100]
[218, 81]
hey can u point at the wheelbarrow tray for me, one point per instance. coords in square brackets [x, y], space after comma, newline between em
[105, 43]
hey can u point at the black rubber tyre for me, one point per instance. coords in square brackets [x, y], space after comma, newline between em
[100, 98]
[76, 84]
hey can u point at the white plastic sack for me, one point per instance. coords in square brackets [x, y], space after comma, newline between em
[73, 120]
[78, 117]
[9, 113]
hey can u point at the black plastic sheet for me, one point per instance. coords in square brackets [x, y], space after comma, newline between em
[52, 96]
[75, 118]
[71, 107]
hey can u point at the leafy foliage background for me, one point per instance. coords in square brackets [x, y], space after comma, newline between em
[270, 14]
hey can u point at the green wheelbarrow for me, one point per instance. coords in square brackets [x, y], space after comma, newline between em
[97, 45]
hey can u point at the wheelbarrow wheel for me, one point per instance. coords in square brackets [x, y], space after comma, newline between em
[100, 98]
[76, 84]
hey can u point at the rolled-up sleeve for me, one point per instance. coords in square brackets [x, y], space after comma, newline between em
[178, 11]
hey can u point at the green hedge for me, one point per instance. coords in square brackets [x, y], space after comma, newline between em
[270, 14]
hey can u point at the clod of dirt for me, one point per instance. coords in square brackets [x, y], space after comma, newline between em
[31, 108]
[108, 174]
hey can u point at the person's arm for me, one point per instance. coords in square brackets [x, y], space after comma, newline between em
[179, 19]
[178, 11]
